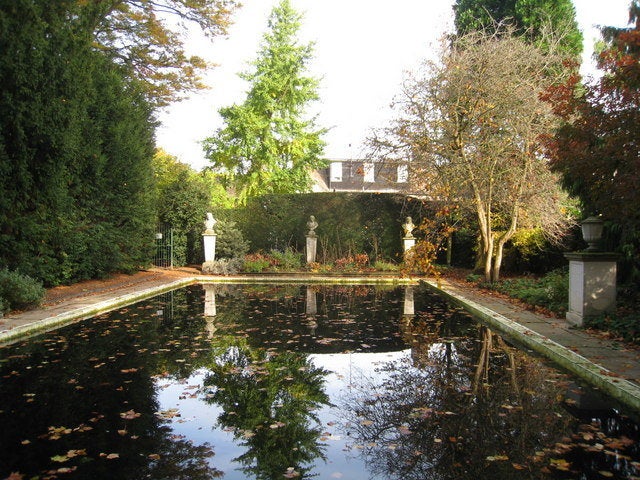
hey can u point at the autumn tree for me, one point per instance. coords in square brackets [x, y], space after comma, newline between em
[470, 123]
[269, 144]
[147, 36]
[597, 150]
[530, 18]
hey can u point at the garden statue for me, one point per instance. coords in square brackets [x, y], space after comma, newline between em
[312, 225]
[408, 227]
[209, 223]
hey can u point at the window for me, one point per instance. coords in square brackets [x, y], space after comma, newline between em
[335, 174]
[403, 173]
[369, 175]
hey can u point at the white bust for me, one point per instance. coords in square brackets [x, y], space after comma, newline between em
[209, 223]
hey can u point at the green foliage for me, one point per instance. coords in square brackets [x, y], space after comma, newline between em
[288, 260]
[267, 144]
[550, 291]
[274, 261]
[348, 223]
[75, 143]
[382, 266]
[18, 291]
[530, 17]
[622, 326]
[230, 243]
[183, 200]
[255, 263]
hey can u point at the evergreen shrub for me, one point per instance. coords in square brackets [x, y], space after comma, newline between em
[19, 291]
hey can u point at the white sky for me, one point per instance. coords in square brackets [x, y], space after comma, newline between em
[362, 49]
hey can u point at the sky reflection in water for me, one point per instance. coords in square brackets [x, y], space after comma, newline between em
[293, 381]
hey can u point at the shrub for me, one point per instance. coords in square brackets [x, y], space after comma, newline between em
[18, 291]
[230, 242]
[255, 263]
[383, 266]
[287, 260]
[222, 266]
[550, 291]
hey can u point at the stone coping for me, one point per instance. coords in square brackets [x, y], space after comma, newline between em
[622, 390]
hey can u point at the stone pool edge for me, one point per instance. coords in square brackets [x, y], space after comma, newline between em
[596, 375]
[618, 388]
[81, 313]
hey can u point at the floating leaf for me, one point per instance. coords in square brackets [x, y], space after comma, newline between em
[110, 456]
[130, 415]
[291, 473]
[497, 458]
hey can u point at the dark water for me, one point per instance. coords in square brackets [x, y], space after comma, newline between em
[290, 381]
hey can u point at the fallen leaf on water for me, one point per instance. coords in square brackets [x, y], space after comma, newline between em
[497, 458]
[130, 415]
[291, 473]
[110, 456]
[66, 469]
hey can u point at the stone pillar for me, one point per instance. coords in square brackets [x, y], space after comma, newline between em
[592, 285]
[312, 243]
[311, 303]
[209, 300]
[408, 305]
[209, 247]
[312, 239]
[408, 243]
[209, 240]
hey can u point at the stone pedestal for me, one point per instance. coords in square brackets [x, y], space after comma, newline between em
[311, 303]
[592, 285]
[312, 242]
[408, 305]
[209, 240]
[210, 300]
[408, 243]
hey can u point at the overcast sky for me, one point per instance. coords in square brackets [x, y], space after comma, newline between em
[362, 48]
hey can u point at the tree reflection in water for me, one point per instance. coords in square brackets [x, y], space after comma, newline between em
[268, 400]
[455, 408]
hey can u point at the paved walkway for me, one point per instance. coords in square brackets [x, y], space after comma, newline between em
[601, 361]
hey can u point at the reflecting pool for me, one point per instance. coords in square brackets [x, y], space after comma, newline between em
[298, 381]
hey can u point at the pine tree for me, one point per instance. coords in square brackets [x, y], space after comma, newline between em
[529, 17]
[269, 144]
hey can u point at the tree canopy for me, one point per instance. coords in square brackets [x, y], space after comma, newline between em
[76, 140]
[531, 18]
[269, 144]
[147, 36]
[597, 150]
[470, 125]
